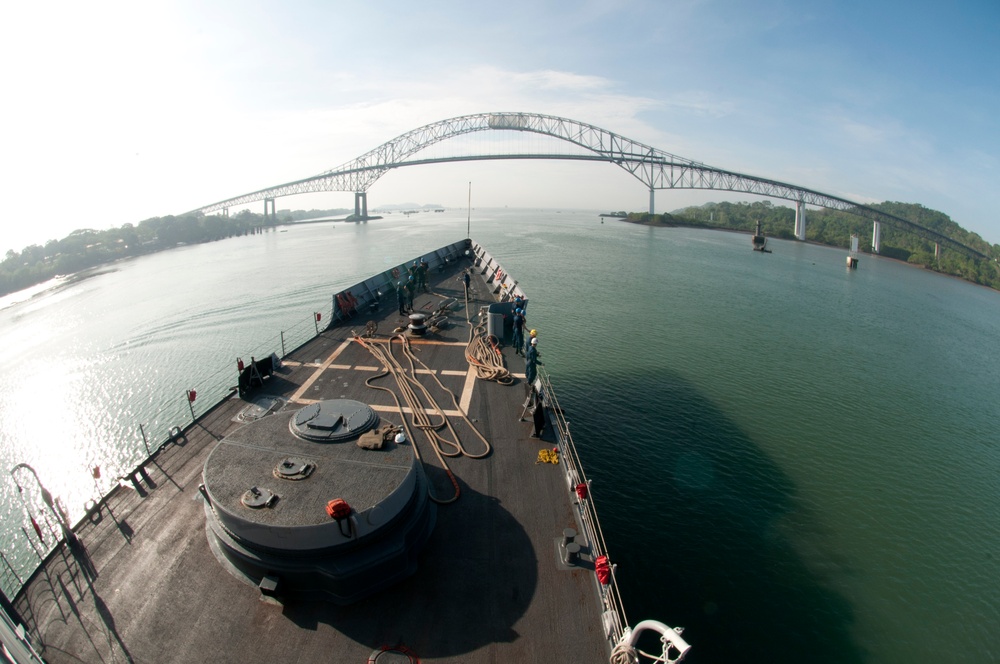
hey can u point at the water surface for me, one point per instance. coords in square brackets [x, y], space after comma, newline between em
[794, 460]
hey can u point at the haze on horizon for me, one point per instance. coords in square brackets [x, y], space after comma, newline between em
[119, 111]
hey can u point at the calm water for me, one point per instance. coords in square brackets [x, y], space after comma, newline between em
[795, 461]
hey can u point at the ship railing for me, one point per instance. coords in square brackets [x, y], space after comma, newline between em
[158, 428]
[40, 533]
[613, 616]
[622, 637]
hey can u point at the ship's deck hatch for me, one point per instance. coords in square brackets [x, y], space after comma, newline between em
[333, 421]
[296, 463]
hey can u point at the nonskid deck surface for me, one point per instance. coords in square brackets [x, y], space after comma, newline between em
[489, 587]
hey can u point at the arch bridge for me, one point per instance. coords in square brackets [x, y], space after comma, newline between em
[655, 168]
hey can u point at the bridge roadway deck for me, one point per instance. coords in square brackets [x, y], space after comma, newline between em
[145, 587]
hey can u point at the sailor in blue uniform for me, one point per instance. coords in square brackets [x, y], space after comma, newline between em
[401, 298]
[518, 340]
[422, 274]
[411, 287]
[531, 363]
[531, 337]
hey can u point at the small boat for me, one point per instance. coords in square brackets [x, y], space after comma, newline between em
[759, 241]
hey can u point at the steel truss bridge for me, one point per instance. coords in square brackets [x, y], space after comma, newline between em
[655, 168]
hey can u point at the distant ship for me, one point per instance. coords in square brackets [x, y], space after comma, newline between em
[759, 241]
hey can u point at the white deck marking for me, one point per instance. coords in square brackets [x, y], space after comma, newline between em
[466, 400]
[312, 379]
[408, 410]
[470, 381]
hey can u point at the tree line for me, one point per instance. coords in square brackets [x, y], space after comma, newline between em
[86, 248]
[835, 227]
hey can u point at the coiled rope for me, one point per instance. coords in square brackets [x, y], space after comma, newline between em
[439, 431]
[483, 353]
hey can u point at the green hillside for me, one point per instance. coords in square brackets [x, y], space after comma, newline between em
[834, 228]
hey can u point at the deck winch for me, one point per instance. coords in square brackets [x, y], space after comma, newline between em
[418, 324]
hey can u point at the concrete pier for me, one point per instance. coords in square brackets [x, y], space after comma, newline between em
[800, 220]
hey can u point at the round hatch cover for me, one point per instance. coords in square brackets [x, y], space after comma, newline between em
[333, 420]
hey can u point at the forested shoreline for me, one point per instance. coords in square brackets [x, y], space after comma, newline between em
[87, 248]
[834, 228]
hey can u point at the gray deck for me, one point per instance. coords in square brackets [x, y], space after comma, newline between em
[489, 588]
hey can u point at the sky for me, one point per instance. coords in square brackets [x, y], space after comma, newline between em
[115, 112]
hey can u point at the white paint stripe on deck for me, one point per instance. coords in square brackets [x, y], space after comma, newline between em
[312, 379]
[430, 342]
[409, 411]
[470, 381]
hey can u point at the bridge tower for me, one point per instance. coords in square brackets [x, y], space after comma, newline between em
[877, 238]
[269, 204]
[800, 220]
[361, 204]
[652, 201]
[937, 251]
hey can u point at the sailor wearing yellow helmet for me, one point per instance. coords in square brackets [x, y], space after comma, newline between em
[527, 341]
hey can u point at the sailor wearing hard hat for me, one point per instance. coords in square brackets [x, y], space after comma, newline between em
[527, 342]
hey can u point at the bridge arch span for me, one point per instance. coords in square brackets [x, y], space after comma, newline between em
[359, 174]
[655, 168]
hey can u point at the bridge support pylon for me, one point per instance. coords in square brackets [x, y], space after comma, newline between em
[937, 251]
[361, 205]
[800, 220]
[269, 204]
[877, 238]
[652, 201]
